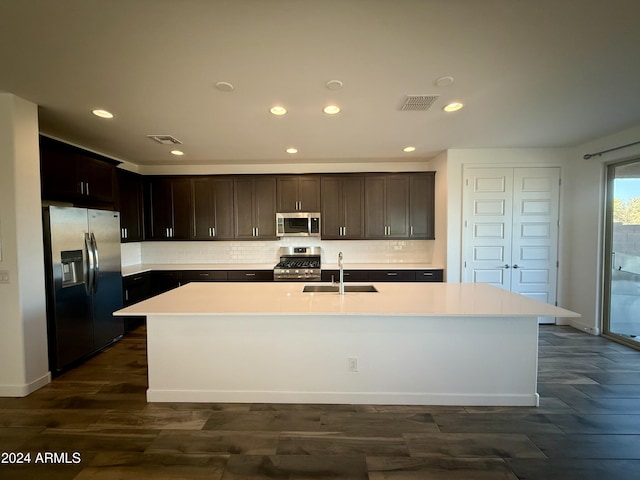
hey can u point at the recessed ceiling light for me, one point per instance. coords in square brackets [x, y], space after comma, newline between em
[453, 107]
[224, 86]
[409, 149]
[443, 81]
[98, 112]
[292, 150]
[334, 84]
[278, 110]
[177, 152]
[331, 109]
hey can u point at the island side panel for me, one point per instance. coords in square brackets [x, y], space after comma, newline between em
[409, 360]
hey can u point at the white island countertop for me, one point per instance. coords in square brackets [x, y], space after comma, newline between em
[393, 298]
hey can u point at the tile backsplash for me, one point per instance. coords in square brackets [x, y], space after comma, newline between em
[355, 251]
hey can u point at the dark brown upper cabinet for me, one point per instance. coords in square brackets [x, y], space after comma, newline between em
[130, 201]
[73, 175]
[170, 210]
[255, 207]
[212, 208]
[298, 193]
[342, 209]
[387, 206]
[422, 206]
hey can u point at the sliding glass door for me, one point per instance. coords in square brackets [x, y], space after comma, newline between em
[622, 261]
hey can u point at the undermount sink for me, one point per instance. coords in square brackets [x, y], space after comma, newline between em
[336, 289]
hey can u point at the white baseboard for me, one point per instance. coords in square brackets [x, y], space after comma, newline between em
[351, 398]
[26, 388]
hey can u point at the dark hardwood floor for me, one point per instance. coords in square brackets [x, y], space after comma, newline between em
[94, 423]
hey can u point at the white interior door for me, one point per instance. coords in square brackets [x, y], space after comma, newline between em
[511, 230]
[487, 226]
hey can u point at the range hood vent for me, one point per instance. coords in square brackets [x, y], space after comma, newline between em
[418, 102]
[165, 139]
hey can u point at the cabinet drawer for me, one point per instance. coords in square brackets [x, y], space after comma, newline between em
[250, 275]
[392, 276]
[204, 276]
[349, 275]
[429, 275]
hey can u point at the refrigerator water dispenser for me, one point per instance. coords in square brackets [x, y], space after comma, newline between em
[72, 273]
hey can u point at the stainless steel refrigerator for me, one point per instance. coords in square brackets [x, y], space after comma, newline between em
[84, 282]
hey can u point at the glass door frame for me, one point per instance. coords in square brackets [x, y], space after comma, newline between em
[608, 254]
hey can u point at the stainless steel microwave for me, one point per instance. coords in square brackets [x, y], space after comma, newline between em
[298, 224]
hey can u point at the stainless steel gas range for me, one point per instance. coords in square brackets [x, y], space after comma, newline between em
[298, 263]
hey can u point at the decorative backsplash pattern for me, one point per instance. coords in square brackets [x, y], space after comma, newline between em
[356, 251]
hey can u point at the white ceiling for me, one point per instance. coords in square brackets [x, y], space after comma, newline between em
[544, 73]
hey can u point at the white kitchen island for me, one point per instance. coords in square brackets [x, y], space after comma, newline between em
[409, 343]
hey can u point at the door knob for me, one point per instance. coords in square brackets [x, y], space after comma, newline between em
[517, 266]
[505, 266]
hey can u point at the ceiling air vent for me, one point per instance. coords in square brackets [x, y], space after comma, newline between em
[165, 139]
[418, 102]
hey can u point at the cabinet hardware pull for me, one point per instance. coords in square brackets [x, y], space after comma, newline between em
[392, 274]
[427, 274]
[411, 231]
[250, 274]
[126, 295]
[213, 231]
[87, 189]
[81, 188]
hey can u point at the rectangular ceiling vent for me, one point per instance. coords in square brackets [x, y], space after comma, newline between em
[418, 102]
[165, 139]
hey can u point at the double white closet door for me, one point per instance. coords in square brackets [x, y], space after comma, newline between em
[510, 236]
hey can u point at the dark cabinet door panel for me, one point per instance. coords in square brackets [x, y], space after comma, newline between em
[223, 206]
[203, 208]
[130, 195]
[422, 206]
[375, 212]
[397, 205]
[265, 207]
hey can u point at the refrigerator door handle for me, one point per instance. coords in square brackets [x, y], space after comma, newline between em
[89, 263]
[96, 262]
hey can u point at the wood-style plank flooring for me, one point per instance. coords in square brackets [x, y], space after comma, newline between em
[94, 423]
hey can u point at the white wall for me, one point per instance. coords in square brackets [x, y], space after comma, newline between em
[23, 330]
[586, 192]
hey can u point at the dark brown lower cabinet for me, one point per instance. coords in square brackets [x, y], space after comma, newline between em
[430, 275]
[135, 288]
